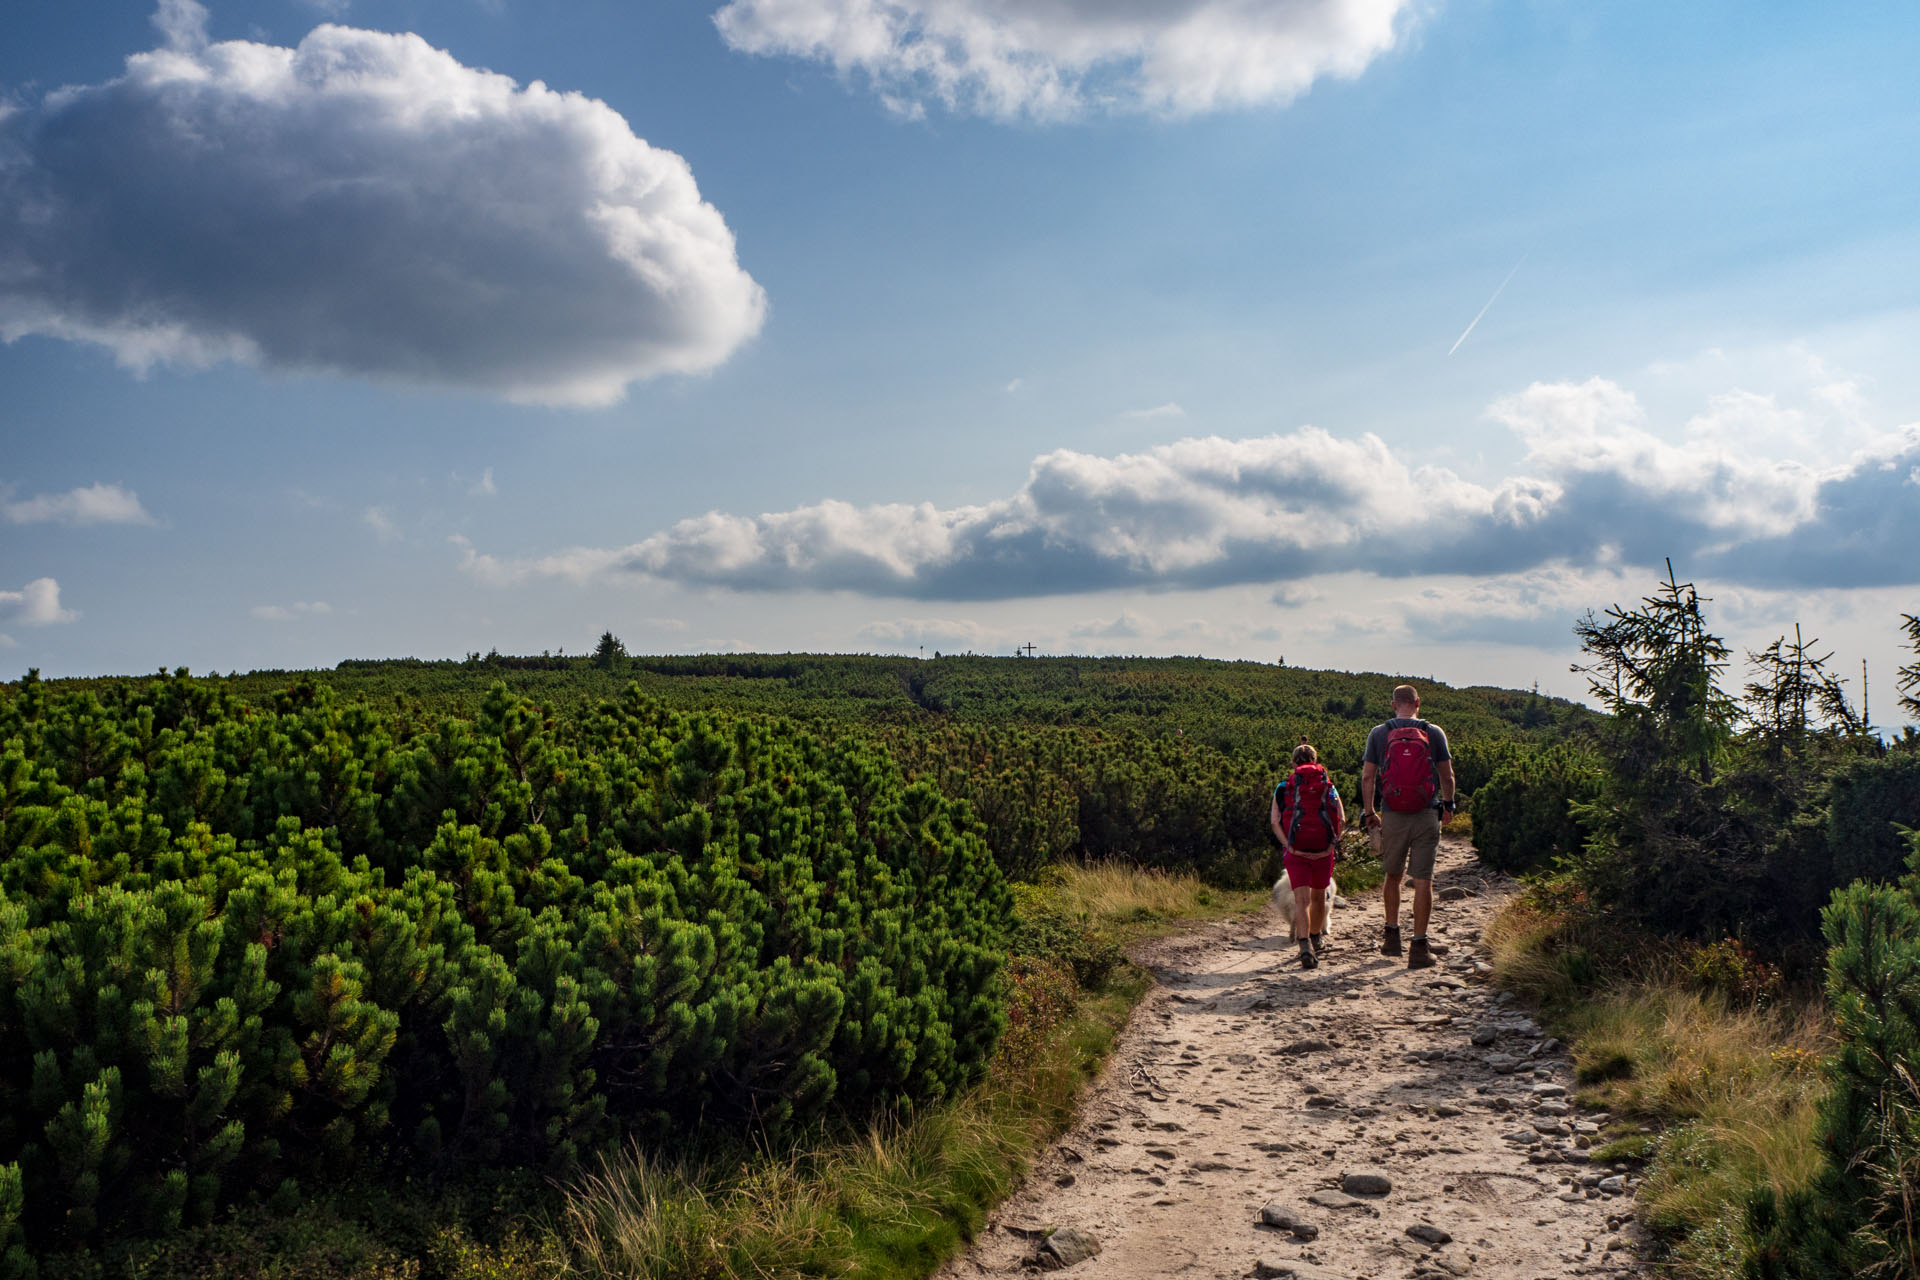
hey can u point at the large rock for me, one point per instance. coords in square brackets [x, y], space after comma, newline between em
[1366, 1182]
[1280, 1215]
[1067, 1247]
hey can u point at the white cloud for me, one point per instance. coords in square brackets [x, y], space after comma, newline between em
[378, 519]
[183, 24]
[1597, 489]
[8, 642]
[291, 612]
[1055, 59]
[89, 504]
[362, 204]
[577, 564]
[483, 487]
[35, 605]
[1128, 626]
[1167, 410]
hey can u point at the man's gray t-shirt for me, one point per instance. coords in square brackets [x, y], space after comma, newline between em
[1376, 753]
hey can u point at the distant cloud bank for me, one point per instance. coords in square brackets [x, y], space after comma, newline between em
[361, 204]
[1055, 59]
[1596, 488]
[89, 504]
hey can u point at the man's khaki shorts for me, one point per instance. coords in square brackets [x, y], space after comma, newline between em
[1408, 841]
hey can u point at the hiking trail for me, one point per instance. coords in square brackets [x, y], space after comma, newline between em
[1246, 1084]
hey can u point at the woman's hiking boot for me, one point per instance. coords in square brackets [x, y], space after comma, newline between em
[1390, 945]
[1319, 941]
[1420, 954]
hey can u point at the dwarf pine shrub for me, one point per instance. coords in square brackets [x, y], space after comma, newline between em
[245, 948]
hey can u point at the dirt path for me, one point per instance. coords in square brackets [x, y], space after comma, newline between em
[1245, 1082]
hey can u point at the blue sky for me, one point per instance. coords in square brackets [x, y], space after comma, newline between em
[366, 328]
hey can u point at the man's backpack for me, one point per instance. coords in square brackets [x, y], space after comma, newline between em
[1307, 816]
[1407, 783]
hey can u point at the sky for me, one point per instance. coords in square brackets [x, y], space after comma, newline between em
[1366, 334]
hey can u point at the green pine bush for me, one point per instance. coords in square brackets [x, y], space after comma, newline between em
[245, 948]
[1528, 812]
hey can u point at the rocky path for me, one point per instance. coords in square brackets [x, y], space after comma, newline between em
[1354, 1122]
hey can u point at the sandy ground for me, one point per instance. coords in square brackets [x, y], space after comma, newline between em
[1245, 1083]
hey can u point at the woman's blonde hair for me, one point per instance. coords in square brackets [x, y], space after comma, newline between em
[1305, 754]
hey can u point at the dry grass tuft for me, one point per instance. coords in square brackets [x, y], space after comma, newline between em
[1118, 894]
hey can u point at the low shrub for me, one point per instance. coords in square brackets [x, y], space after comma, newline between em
[1049, 925]
[1528, 814]
[1861, 1213]
[1732, 970]
[1041, 997]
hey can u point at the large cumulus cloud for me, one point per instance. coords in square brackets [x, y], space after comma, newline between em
[1046, 59]
[1597, 487]
[362, 203]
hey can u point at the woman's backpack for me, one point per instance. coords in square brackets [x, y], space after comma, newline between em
[1307, 813]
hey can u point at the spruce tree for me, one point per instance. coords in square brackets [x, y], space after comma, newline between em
[1793, 696]
[609, 653]
[1909, 678]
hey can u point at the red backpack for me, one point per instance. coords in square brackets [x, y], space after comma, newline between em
[1407, 782]
[1307, 815]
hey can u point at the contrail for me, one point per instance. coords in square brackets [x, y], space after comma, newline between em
[1490, 301]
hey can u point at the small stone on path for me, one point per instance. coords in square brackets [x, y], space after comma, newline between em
[1312, 1044]
[1327, 1199]
[1067, 1247]
[1427, 1233]
[1283, 1269]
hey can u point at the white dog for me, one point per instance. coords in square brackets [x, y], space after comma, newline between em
[1283, 903]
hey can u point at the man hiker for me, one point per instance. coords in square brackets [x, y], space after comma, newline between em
[1409, 769]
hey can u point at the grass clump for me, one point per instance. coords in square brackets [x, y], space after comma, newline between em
[1717, 1060]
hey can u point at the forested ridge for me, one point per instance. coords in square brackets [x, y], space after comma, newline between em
[267, 932]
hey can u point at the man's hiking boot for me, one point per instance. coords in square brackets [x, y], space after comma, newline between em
[1390, 945]
[1308, 960]
[1420, 954]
